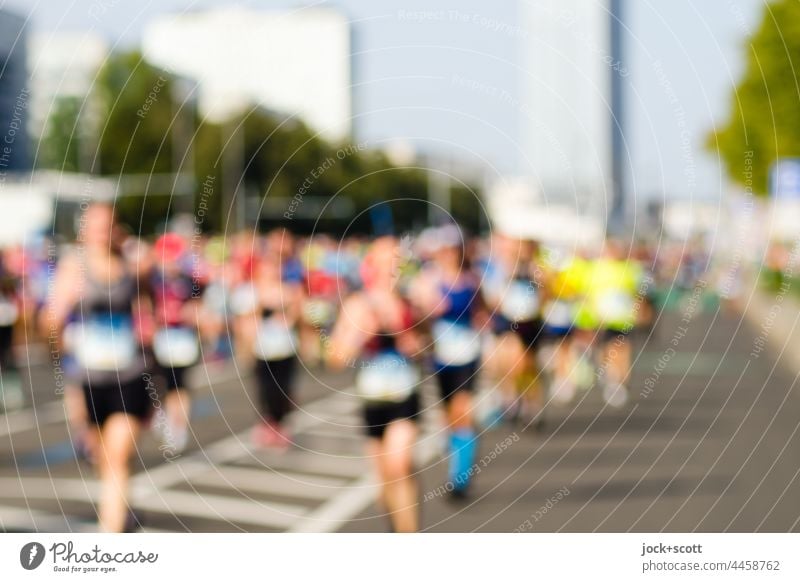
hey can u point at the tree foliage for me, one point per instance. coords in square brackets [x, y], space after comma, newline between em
[278, 157]
[765, 105]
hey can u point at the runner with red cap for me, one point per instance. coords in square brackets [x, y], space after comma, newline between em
[374, 333]
[176, 299]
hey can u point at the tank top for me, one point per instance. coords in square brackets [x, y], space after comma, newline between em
[455, 342]
[104, 340]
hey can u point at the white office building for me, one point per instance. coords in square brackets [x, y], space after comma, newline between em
[295, 61]
[574, 77]
[64, 65]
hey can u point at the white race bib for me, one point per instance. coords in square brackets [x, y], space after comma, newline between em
[455, 345]
[615, 306]
[104, 344]
[520, 301]
[274, 340]
[9, 312]
[176, 347]
[387, 378]
[214, 298]
[244, 299]
[558, 314]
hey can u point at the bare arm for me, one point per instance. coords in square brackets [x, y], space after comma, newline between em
[350, 333]
[64, 296]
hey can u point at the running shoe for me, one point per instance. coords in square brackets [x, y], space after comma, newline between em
[583, 373]
[615, 394]
[270, 435]
[180, 438]
[80, 445]
[132, 522]
[563, 392]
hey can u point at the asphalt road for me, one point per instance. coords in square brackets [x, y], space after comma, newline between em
[712, 445]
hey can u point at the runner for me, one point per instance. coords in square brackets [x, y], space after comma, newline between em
[176, 300]
[446, 292]
[97, 287]
[374, 334]
[269, 328]
[513, 290]
[322, 286]
[11, 393]
[558, 318]
[610, 308]
[578, 277]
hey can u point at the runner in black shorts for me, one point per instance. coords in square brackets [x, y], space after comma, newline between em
[374, 334]
[99, 290]
[176, 300]
[514, 292]
[446, 292]
[269, 328]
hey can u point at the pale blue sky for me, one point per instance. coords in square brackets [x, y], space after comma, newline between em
[684, 56]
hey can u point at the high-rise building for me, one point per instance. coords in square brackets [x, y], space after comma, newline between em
[295, 62]
[574, 111]
[14, 94]
[64, 65]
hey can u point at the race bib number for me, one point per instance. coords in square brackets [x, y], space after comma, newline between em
[274, 341]
[176, 347]
[455, 345]
[244, 299]
[105, 343]
[615, 306]
[520, 302]
[9, 312]
[558, 314]
[386, 378]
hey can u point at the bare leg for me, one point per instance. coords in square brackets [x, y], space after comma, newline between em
[460, 410]
[374, 451]
[78, 418]
[618, 355]
[507, 363]
[179, 406]
[563, 358]
[117, 444]
[395, 465]
[75, 407]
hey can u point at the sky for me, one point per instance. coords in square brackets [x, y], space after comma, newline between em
[684, 59]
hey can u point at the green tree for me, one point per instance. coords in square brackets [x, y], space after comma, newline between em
[765, 115]
[276, 156]
[136, 136]
[61, 143]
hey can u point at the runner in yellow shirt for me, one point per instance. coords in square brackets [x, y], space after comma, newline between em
[610, 307]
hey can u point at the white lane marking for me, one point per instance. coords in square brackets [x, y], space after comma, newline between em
[19, 518]
[225, 450]
[351, 421]
[85, 490]
[342, 508]
[28, 419]
[283, 483]
[53, 411]
[270, 514]
[152, 480]
[329, 432]
[299, 461]
[331, 515]
[148, 486]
